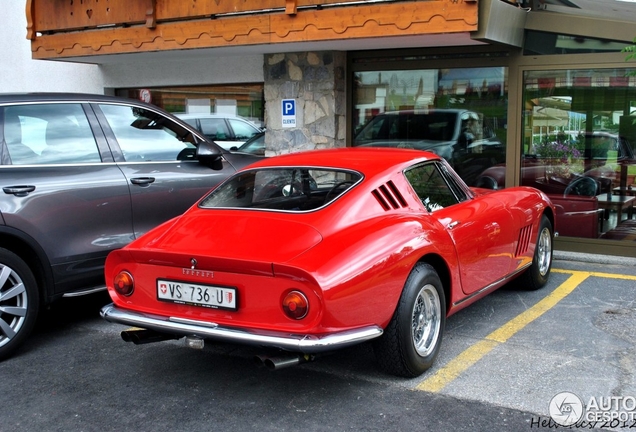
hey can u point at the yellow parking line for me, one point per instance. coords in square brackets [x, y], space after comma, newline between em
[472, 355]
[598, 274]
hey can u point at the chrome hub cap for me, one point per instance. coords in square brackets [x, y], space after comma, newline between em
[544, 251]
[426, 320]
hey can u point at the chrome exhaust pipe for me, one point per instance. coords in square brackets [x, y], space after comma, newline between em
[281, 362]
[259, 360]
[143, 336]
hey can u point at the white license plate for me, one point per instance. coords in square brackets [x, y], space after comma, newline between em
[198, 295]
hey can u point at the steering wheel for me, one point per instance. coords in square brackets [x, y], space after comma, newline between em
[582, 186]
[486, 182]
[334, 188]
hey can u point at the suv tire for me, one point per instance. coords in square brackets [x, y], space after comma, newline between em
[19, 302]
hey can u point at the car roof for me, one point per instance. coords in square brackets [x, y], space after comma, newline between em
[206, 115]
[368, 160]
[67, 97]
[424, 111]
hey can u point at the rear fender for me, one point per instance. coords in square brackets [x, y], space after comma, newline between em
[30, 251]
[361, 272]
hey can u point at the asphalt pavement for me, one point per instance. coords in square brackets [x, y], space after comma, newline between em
[503, 362]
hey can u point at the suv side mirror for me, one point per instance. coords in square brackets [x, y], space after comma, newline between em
[208, 154]
[465, 139]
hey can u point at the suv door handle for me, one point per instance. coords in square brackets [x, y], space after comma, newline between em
[19, 190]
[142, 181]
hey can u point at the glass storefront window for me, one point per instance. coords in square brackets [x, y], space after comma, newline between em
[544, 43]
[244, 100]
[579, 131]
[457, 113]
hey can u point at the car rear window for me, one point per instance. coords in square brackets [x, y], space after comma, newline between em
[49, 133]
[215, 129]
[298, 189]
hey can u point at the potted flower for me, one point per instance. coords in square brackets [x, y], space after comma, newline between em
[559, 155]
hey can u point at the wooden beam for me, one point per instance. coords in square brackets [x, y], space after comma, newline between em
[413, 18]
[291, 7]
[151, 15]
[30, 11]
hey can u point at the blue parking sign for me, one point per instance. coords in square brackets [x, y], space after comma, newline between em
[288, 110]
[289, 107]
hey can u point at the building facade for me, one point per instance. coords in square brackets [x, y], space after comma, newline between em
[524, 92]
[20, 73]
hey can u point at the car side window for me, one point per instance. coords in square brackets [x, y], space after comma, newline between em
[146, 136]
[215, 129]
[242, 131]
[430, 186]
[373, 129]
[48, 134]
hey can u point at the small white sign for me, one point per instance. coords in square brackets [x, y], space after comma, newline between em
[288, 111]
[145, 95]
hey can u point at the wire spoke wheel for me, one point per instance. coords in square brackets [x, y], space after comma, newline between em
[536, 276]
[411, 341]
[426, 319]
[544, 251]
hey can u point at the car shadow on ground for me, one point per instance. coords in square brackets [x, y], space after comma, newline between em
[70, 311]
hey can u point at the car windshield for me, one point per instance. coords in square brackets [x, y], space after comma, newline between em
[434, 126]
[297, 189]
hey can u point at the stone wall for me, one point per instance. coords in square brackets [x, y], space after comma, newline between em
[316, 80]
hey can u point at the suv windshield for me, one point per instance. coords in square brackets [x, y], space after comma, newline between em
[295, 189]
[433, 126]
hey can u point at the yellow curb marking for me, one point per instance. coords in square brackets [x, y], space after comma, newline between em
[598, 274]
[476, 352]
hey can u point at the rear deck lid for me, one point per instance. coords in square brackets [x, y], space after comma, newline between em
[236, 235]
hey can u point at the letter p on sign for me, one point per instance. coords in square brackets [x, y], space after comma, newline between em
[288, 112]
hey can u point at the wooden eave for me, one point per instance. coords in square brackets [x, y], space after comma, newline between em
[159, 25]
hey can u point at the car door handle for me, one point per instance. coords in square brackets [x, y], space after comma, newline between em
[20, 190]
[142, 181]
[452, 225]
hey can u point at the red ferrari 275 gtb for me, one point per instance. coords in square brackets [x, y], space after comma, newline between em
[314, 251]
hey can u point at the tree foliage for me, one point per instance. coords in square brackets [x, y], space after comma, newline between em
[631, 49]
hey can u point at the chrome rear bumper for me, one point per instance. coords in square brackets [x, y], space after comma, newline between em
[308, 344]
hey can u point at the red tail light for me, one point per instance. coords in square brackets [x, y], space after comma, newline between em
[124, 283]
[295, 305]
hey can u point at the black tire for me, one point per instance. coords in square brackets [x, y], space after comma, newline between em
[19, 302]
[537, 275]
[409, 347]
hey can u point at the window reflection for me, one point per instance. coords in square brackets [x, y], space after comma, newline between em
[146, 136]
[43, 134]
[459, 114]
[579, 130]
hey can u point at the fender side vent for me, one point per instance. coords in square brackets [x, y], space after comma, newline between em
[389, 196]
[524, 240]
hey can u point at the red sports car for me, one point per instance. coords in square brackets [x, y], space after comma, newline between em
[314, 251]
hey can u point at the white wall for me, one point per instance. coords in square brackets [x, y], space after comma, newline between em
[171, 69]
[20, 73]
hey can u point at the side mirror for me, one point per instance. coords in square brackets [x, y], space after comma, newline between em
[465, 139]
[210, 155]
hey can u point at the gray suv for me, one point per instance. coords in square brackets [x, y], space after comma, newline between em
[82, 175]
[460, 136]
